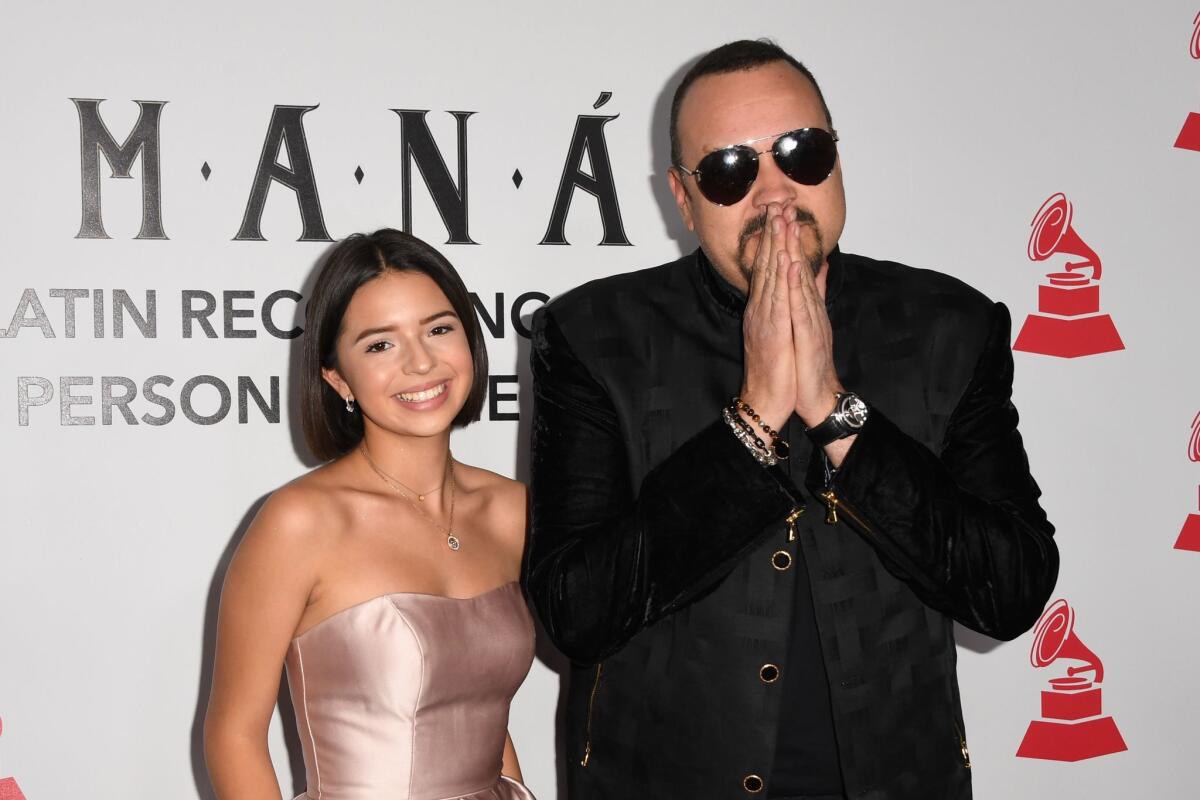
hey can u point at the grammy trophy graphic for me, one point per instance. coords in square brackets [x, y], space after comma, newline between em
[1068, 323]
[8, 786]
[1189, 135]
[1072, 727]
[1189, 535]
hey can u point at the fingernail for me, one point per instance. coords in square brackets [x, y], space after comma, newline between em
[776, 225]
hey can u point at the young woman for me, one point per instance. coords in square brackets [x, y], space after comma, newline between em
[384, 580]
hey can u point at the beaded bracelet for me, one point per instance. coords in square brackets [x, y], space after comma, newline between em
[755, 445]
[779, 448]
[747, 427]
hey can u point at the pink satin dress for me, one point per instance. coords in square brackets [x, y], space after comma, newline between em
[405, 697]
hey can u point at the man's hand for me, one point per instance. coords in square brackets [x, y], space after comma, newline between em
[817, 383]
[769, 381]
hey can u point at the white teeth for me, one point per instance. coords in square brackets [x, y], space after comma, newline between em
[420, 397]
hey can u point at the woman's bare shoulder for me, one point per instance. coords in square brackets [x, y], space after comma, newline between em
[502, 500]
[492, 486]
[298, 516]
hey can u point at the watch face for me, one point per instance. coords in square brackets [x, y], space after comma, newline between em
[854, 411]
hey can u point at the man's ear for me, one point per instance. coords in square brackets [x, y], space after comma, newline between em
[682, 199]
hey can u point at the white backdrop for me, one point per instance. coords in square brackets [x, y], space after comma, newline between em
[956, 125]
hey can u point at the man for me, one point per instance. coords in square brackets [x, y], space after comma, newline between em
[728, 644]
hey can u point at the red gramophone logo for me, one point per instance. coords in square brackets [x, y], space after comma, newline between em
[1189, 135]
[1189, 536]
[1068, 323]
[8, 786]
[1071, 727]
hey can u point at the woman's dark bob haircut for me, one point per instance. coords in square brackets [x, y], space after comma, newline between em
[329, 429]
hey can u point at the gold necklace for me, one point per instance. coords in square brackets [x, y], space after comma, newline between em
[393, 480]
[451, 540]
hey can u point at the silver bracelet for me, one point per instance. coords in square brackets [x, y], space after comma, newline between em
[764, 457]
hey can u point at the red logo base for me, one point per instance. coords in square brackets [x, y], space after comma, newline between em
[1189, 536]
[1189, 135]
[1068, 338]
[1071, 741]
[9, 789]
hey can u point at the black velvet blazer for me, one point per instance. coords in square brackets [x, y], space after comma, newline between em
[654, 560]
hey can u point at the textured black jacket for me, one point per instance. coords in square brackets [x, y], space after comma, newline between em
[654, 558]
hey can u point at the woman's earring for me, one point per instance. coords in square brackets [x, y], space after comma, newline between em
[349, 405]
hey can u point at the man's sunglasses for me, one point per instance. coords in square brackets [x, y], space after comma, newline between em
[806, 155]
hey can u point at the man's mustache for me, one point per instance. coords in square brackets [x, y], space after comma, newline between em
[755, 226]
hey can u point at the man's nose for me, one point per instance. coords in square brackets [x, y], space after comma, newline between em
[771, 185]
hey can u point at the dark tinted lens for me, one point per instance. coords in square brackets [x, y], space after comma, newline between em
[806, 156]
[726, 175]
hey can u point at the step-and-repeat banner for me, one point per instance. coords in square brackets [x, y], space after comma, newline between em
[171, 174]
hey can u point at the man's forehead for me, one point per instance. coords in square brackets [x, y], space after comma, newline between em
[730, 108]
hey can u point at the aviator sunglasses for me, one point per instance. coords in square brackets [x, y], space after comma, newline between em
[806, 155]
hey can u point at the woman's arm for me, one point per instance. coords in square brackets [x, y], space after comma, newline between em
[265, 593]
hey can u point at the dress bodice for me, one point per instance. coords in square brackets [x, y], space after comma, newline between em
[406, 696]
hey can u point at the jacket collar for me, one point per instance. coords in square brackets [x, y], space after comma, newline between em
[732, 302]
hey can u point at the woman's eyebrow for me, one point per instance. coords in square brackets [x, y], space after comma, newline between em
[432, 317]
[372, 332]
[390, 328]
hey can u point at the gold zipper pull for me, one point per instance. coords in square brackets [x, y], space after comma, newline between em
[587, 731]
[796, 514]
[962, 746]
[831, 506]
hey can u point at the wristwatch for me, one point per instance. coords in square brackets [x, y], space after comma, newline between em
[847, 418]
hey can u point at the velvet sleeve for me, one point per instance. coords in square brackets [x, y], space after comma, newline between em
[606, 556]
[963, 527]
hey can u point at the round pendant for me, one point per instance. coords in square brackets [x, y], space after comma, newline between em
[452, 542]
[421, 497]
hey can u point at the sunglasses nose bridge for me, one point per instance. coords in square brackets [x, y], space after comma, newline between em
[772, 185]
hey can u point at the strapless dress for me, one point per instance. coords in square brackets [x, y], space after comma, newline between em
[406, 696]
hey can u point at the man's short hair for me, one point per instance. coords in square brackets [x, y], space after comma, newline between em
[745, 54]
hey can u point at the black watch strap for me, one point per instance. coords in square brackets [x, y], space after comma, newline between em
[847, 418]
[828, 431]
